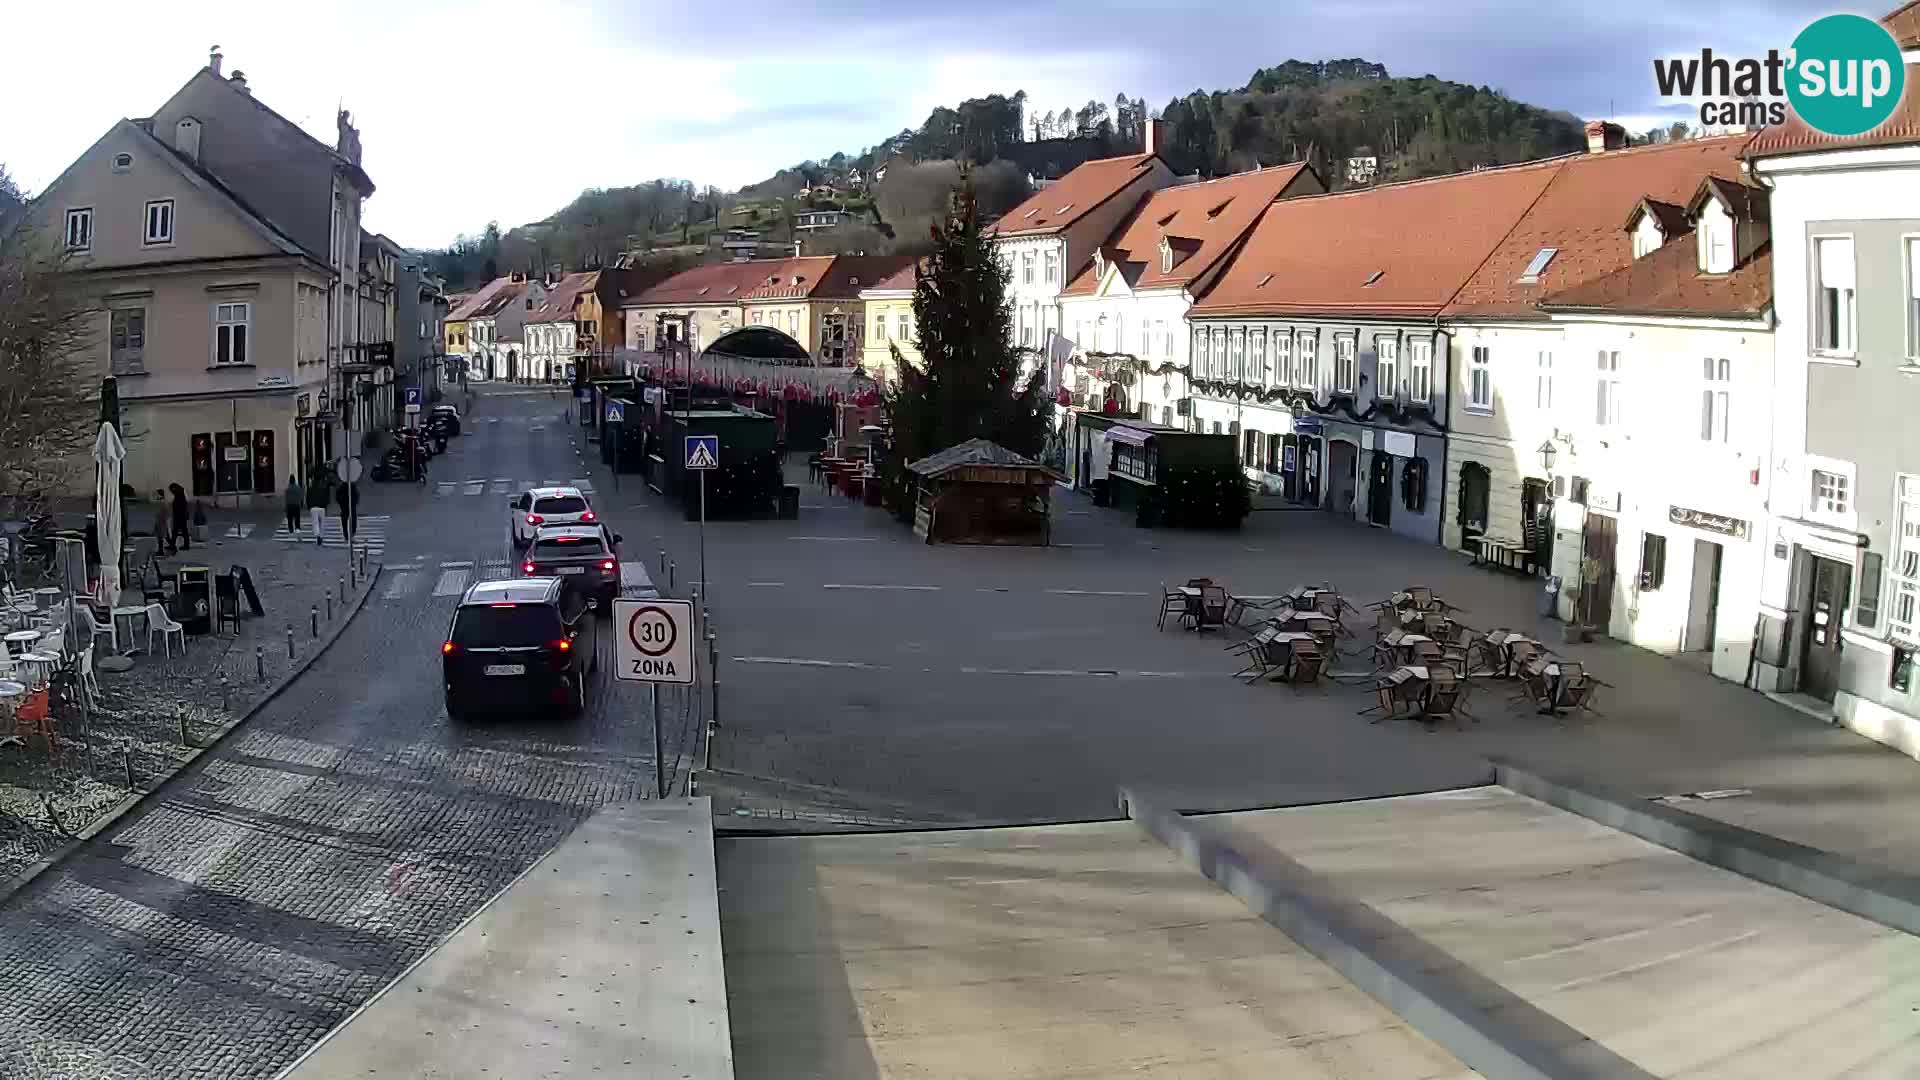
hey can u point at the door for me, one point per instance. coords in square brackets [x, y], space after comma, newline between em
[1601, 535]
[1380, 489]
[1703, 599]
[1475, 483]
[1820, 660]
[1536, 520]
[1345, 471]
[1310, 469]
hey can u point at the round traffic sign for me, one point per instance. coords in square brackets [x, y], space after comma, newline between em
[652, 631]
[348, 470]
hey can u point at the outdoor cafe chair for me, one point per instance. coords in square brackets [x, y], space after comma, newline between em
[1307, 662]
[1576, 695]
[94, 629]
[1172, 602]
[159, 622]
[1533, 689]
[1264, 658]
[1420, 597]
[1209, 611]
[1442, 699]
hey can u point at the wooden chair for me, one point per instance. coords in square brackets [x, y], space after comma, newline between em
[1330, 605]
[1172, 602]
[226, 602]
[1210, 611]
[1519, 655]
[1307, 662]
[1576, 695]
[1420, 596]
[1533, 690]
[1428, 653]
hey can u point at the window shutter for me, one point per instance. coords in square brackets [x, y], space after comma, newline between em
[1866, 603]
[1653, 562]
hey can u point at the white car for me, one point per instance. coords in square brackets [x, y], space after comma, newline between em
[541, 506]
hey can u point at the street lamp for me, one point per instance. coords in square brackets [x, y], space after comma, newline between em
[1547, 454]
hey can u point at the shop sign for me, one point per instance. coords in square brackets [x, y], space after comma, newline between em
[303, 405]
[1603, 500]
[1398, 443]
[273, 382]
[1309, 425]
[1713, 523]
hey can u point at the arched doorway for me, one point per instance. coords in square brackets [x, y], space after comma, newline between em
[1475, 484]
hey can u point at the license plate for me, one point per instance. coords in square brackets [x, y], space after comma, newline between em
[506, 669]
[573, 569]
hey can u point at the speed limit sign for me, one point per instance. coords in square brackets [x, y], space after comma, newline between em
[654, 641]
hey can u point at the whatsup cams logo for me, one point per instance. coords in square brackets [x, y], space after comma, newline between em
[1842, 76]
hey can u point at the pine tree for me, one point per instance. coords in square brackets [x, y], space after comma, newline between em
[968, 382]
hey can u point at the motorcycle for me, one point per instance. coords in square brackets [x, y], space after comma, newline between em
[401, 462]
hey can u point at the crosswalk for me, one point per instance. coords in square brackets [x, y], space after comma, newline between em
[371, 537]
[503, 485]
[412, 582]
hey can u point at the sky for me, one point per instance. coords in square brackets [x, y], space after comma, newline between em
[489, 110]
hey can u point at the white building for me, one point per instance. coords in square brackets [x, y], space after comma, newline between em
[1661, 428]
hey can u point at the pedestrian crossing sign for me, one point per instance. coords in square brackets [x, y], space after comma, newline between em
[615, 413]
[703, 451]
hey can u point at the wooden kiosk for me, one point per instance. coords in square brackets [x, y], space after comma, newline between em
[980, 492]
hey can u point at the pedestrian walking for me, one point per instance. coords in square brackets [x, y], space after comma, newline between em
[181, 539]
[163, 540]
[296, 502]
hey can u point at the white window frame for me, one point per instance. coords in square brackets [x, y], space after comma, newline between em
[1386, 367]
[229, 315]
[1166, 339]
[1027, 263]
[1910, 256]
[79, 234]
[1053, 267]
[880, 328]
[1845, 302]
[903, 327]
[1716, 245]
[1716, 399]
[115, 362]
[1420, 371]
[1830, 499]
[1345, 363]
[1607, 388]
[1543, 380]
[1480, 379]
[1203, 353]
[1903, 569]
[1282, 357]
[1237, 355]
[1257, 356]
[158, 237]
[1306, 360]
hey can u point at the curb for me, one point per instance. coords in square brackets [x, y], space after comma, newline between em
[18, 882]
[1881, 895]
[1486, 1026]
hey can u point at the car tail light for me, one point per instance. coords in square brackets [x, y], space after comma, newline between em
[586, 515]
[535, 519]
[607, 564]
[447, 648]
[563, 645]
[526, 568]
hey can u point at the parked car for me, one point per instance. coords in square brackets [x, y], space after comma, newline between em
[444, 419]
[587, 557]
[546, 506]
[523, 645]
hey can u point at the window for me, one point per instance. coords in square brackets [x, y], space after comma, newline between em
[1053, 267]
[1537, 265]
[1257, 357]
[1250, 448]
[1830, 495]
[1413, 484]
[1166, 415]
[1420, 371]
[1026, 269]
[1166, 340]
[1904, 581]
[1026, 332]
[1543, 380]
[1715, 244]
[1386, 368]
[1282, 357]
[902, 327]
[1606, 401]
[1343, 364]
[1866, 601]
[159, 222]
[1237, 356]
[1833, 295]
[1713, 399]
[1203, 354]
[1220, 352]
[80, 229]
[1480, 379]
[1913, 297]
[231, 323]
[128, 341]
[122, 162]
[880, 327]
[793, 323]
[1653, 562]
[1306, 362]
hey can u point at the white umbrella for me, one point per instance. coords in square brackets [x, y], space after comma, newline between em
[108, 452]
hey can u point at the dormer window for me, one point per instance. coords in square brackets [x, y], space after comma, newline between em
[1538, 265]
[1064, 209]
[1647, 237]
[1218, 210]
[1714, 237]
[1166, 256]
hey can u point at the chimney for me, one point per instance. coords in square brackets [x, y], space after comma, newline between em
[213, 61]
[239, 81]
[1152, 136]
[1604, 135]
[186, 138]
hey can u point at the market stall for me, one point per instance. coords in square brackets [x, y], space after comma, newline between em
[980, 492]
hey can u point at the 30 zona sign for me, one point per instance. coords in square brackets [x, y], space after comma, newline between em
[653, 641]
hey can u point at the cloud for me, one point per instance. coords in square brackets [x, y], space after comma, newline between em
[492, 110]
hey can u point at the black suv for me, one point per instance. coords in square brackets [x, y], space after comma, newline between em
[523, 645]
[587, 557]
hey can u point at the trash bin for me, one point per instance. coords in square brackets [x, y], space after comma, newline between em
[1550, 597]
[195, 598]
[790, 502]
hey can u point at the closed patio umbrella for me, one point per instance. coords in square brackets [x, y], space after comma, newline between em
[108, 453]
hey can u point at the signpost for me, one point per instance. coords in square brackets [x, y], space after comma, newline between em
[703, 455]
[413, 400]
[617, 414]
[654, 644]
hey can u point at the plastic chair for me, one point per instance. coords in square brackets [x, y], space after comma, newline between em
[94, 630]
[89, 680]
[158, 621]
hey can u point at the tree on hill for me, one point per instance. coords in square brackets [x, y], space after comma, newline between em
[967, 383]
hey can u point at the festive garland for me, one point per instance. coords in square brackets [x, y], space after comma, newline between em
[1340, 404]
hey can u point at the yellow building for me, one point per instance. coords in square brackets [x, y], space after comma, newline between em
[889, 324]
[816, 300]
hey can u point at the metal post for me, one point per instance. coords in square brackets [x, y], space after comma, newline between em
[663, 560]
[289, 641]
[315, 613]
[126, 761]
[260, 663]
[659, 752]
[703, 528]
[329, 607]
[673, 571]
[180, 717]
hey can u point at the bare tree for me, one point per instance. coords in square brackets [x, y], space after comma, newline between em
[49, 384]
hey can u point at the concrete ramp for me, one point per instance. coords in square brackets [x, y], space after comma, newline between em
[1087, 951]
[1681, 968]
[602, 960]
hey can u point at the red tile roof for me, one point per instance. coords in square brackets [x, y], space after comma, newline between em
[714, 283]
[1315, 254]
[1668, 282]
[1201, 223]
[788, 279]
[904, 279]
[562, 298]
[852, 273]
[474, 301]
[1073, 196]
[1901, 128]
[1580, 214]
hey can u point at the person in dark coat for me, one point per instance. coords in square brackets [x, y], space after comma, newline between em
[179, 538]
[347, 497]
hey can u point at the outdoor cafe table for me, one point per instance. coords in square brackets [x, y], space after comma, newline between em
[20, 641]
[1504, 640]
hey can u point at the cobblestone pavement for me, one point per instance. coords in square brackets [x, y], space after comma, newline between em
[237, 915]
[209, 684]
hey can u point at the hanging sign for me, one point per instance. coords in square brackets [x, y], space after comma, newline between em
[1713, 523]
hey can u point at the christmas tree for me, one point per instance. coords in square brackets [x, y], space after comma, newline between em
[967, 384]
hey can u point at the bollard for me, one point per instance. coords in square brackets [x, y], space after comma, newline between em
[289, 641]
[126, 760]
[315, 613]
[260, 663]
[226, 693]
[663, 560]
[341, 584]
[180, 717]
[673, 569]
[329, 607]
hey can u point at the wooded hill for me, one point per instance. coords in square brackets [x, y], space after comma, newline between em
[1323, 113]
